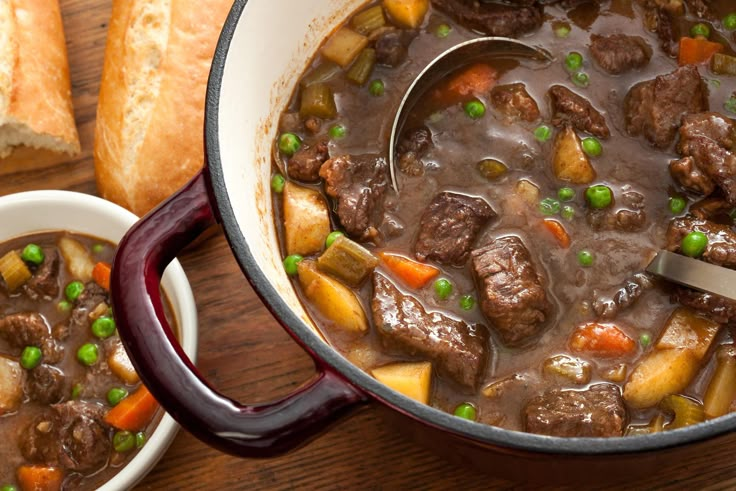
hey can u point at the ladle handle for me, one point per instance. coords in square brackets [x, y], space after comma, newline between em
[245, 430]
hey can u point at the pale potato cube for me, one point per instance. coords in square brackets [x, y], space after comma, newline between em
[407, 13]
[121, 365]
[570, 162]
[528, 192]
[686, 329]
[78, 260]
[344, 46]
[306, 220]
[660, 373]
[12, 378]
[414, 380]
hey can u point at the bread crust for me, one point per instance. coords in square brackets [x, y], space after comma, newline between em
[139, 166]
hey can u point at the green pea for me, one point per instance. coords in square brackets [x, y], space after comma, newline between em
[585, 258]
[289, 144]
[8, 487]
[103, 327]
[581, 79]
[562, 31]
[32, 254]
[115, 395]
[729, 22]
[592, 146]
[98, 248]
[677, 204]
[566, 194]
[475, 109]
[30, 358]
[466, 411]
[64, 306]
[277, 183]
[77, 391]
[574, 61]
[549, 206]
[567, 212]
[290, 263]
[467, 302]
[88, 354]
[694, 244]
[645, 340]
[140, 439]
[332, 236]
[442, 31]
[376, 88]
[123, 441]
[443, 288]
[337, 131]
[700, 29]
[73, 290]
[599, 196]
[730, 104]
[543, 133]
[492, 169]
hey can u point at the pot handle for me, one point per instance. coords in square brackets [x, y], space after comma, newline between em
[246, 430]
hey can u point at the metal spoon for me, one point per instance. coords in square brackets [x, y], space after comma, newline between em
[452, 59]
[694, 273]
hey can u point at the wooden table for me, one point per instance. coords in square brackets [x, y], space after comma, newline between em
[246, 354]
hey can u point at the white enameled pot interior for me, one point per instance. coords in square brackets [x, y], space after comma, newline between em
[43, 211]
[272, 45]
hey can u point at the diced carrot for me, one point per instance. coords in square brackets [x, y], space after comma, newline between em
[134, 412]
[39, 478]
[101, 275]
[601, 339]
[413, 273]
[697, 50]
[475, 80]
[558, 231]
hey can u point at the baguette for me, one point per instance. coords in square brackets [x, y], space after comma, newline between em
[150, 113]
[35, 92]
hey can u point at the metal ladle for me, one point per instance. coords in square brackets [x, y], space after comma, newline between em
[450, 60]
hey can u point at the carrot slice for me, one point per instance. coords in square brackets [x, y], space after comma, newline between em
[697, 50]
[475, 80]
[134, 412]
[601, 339]
[39, 478]
[413, 273]
[558, 231]
[101, 275]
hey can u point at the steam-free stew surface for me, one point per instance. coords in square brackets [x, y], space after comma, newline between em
[563, 180]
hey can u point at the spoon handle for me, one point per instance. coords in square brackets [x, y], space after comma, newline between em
[694, 273]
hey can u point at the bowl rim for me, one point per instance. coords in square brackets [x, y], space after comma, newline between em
[478, 433]
[176, 285]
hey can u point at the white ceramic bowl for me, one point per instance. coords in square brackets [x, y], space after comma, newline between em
[42, 211]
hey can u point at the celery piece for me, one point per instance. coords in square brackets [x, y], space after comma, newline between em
[363, 67]
[369, 20]
[322, 73]
[687, 411]
[723, 64]
[13, 270]
[317, 100]
[347, 261]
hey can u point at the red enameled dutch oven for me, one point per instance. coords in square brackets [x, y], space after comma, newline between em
[259, 57]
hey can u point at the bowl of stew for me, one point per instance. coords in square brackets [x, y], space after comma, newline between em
[73, 411]
[495, 301]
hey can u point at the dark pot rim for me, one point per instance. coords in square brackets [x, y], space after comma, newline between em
[476, 432]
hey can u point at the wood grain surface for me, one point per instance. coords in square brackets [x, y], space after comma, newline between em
[245, 353]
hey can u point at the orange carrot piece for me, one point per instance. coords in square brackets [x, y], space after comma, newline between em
[134, 412]
[475, 80]
[39, 478]
[601, 339]
[697, 50]
[558, 231]
[413, 273]
[101, 275]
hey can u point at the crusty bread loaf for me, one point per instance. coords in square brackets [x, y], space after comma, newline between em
[35, 93]
[150, 114]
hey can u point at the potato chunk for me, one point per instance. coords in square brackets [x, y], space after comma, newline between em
[306, 220]
[77, 258]
[660, 373]
[686, 329]
[333, 299]
[570, 162]
[12, 377]
[414, 380]
[407, 13]
[344, 46]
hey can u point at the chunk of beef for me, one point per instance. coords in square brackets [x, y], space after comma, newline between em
[30, 329]
[411, 148]
[358, 183]
[714, 209]
[718, 308]
[629, 217]
[700, 9]
[449, 227]
[654, 108]
[511, 293]
[513, 101]
[92, 296]
[707, 143]
[458, 349]
[596, 412]
[313, 125]
[608, 306]
[45, 384]
[45, 280]
[721, 248]
[73, 435]
[493, 18]
[304, 165]
[619, 53]
[392, 47]
[569, 107]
